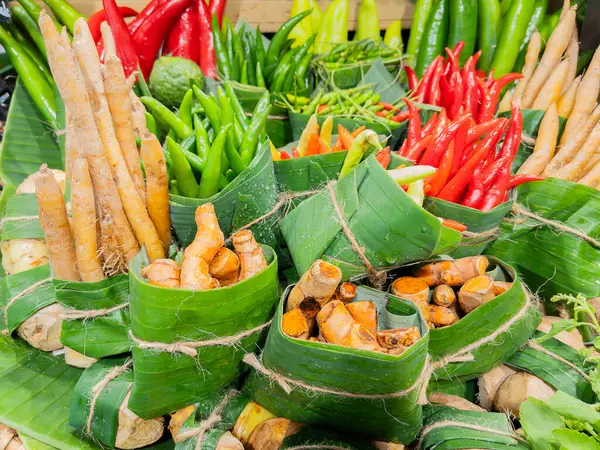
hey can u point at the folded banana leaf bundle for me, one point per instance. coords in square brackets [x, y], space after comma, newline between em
[389, 228]
[347, 389]
[187, 345]
[552, 236]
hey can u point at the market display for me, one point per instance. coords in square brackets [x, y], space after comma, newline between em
[215, 238]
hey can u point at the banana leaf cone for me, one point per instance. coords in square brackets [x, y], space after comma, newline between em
[550, 259]
[491, 333]
[334, 370]
[349, 75]
[171, 378]
[390, 228]
[95, 336]
[558, 364]
[450, 428]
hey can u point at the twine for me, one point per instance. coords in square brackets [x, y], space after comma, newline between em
[22, 294]
[529, 141]
[16, 219]
[482, 236]
[74, 314]
[204, 426]
[113, 373]
[519, 209]
[377, 278]
[539, 348]
[189, 347]
[452, 423]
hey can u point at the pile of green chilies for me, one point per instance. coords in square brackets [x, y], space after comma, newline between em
[210, 145]
[242, 57]
[358, 52]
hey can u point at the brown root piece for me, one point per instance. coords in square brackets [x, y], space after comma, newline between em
[9, 439]
[365, 313]
[209, 237]
[76, 359]
[571, 338]
[453, 273]
[294, 324]
[225, 267]
[454, 401]
[135, 432]
[252, 257]
[500, 287]
[346, 292]
[42, 329]
[443, 295]
[361, 338]
[490, 382]
[516, 389]
[335, 322]
[163, 273]
[251, 416]
[19, 255]
[269, 435]
[177, 420]
[475, 292]
[229, 442]
[319, 282]
[380, 445]
[415, 290]
[441, 316]
[398, 337]
[195, 276]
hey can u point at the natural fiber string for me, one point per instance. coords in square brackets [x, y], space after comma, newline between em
[22, 294]
[527, 140]
[377, 278]
[113, 373]
[539, 348]
[207, 424]
[451, 423]
[75, 314]
[482, 236]
[189, 348]
[520, 210]
[16, 219]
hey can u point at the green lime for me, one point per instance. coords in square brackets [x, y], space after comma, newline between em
[171, 78]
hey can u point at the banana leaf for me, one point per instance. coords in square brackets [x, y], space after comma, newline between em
[165, 382]
[101, 336]
[30, 443]
[310, 437]
[392, 228]
[450, 428]
[482, 322]
[345, 369]
[558, 374]
[551, 261]
[17, 206]
[464, 389]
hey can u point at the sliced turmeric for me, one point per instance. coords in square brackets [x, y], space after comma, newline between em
[345, 292]
[398, 337]
[364, 313]
[443, 295]
[294, 324]
[360, 338]
[500, 287]
[251, 416]
[252, 257]
[475, 292]
[319, 282]
[335, 322]
[453, 273]
[163, 273]
[442, 316]
[414, 289]
[225, 267]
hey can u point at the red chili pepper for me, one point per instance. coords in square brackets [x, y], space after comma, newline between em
[425, 84]
[435, 150]
[415, 152]
[430, 125]
[458, 93]
[452, 65]
[381, 113]
[126, 47]
[388, 106]
[442, 175]
[453, 224]
[488, 108]
[475, 193]
[479, 130]
[490, 79]
[284, 155]
[518, 180]
[480, 73]
[99, 17]
[384, 157]
[434, 95]
[143, 15]
[217, 7]
[295, 153]
[440, 125]
[454, 190]
[467, 153]
[400, 117]
[414, 123]
[207, 56]
[495, 195]
[447, 95]
[183, 37]
[469, 77]
[484, 96]
[412, 77]
[513, 136]
[459, 147]
[151, 34]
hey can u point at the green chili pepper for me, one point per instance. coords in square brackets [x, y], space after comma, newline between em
[21, 16]
[260, 81]
[212, 110]
[174, 189]
[65, 13]
[233, 156]
[34, 10]
[490, 24]
[231, 56]
[422, 11]
[220, 50]
[32, 51]
[239, 48]
[368, 21]
[462, 26]
[312, 106]
[364, 143]
[151, 124]
[302, 70]
[238, 110]
[196, 163]
[186, 181]
[393, 35]
[250, 59]
[230, 176]
[259, 118]
[304, 49]
[504, 7]
[288, 83]
[202, 142]
[259, 48]
[435, 36]
[223, 182]
[209, 184]
[244, 77]
[537, 17]
[185, 109]
[513, 32]
[279, 41]
[225, 23]
[165, 114]
[283, 68]
[35, 81]
[334, 27]
[189, 143]
[238, 133]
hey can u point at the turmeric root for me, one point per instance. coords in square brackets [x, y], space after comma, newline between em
[415, 290]
[453, 273]
[442, 316]
[209, 237]
[345, 292]
[364, 313]
[251, 416]
[177, 420]
[490, 382]
[475, 292]
[195, 275]
[337, 326]
[228, 442]
[294, 324]
[163, 273]
[398, 337]
[444, 295]
[500, 287]
[252, 257]
[225, 267]
[319, 282]
[361, 338]
[269, 435]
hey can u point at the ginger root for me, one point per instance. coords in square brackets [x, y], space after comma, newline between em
[269, 435]
[163, 273]
[516, 389]
[135, 432]
[475, 292]
[453, 273]
[320, 282]
[490, 382]
[76, 359]
[454, 401]
[252, 257]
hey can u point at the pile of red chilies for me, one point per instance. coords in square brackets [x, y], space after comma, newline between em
[465, 90]
[470, 171]
[185, 26]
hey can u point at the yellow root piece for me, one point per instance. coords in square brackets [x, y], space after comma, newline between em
[365, 313]
[114, 260]
[252, 257]
[361, 338]
[398, 337]
[225, 267]
[27, 186]
[453, 273]
[475, 292]
[319, 282]
[177, 420]
[500, 287]
[209, 237]
[545, 144]
[444, 295]
[19, 255]
[454, 401]
[567, 99]
[79, 360]
[516, 389]
[574, 169]
[228, 442]
[295, 325]
[490, 382]
[252, 415]
[531, 59]
[138, 115]
[269, 435]
[571, 338]
[42, 329]
[571, 55]
[414, 289]
[195, 275]
[57, 229]
[442, 316]
[72, 147]
[345, 292]
[380, 445]
[163, 273]
[135, 432]
[553, 86]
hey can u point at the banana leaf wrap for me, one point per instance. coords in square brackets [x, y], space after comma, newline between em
[551, 260]
[351, 74]
[391, 229]
[490, 334]
[165, 382]
[342, 370]
[101, 336]
[450, 428]
[20, 219]
[558, 364]
[310, 437]
[465, 389]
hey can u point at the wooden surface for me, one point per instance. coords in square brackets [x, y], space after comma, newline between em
[270, 14]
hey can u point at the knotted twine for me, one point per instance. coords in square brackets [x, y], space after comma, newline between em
[112, 374]
[207, 424]
[4, 220]
[189, 347]
[451, 423]
[75, 314]
[20, 295]
[534, 345]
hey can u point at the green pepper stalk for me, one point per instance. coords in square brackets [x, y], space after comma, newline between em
[393, 36]
[257, 125]
[365, 143]
[209, 184]
[186, 181]
[185, 109]
[334, 27]
[279, 41]
[166, 115]
[32, 51]
[417, 31]
[368, 21]
[211, 109]
[21, 16]
[65, 13]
